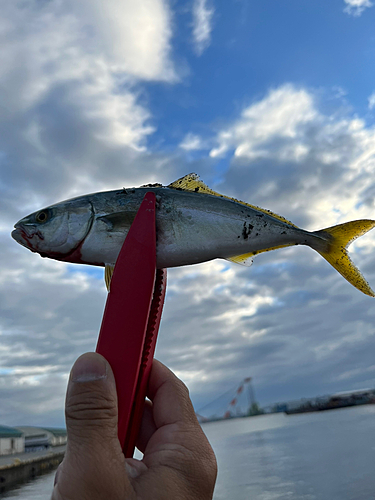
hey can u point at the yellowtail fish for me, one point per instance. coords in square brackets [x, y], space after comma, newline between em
[194, 224]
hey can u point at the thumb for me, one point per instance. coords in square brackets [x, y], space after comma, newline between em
[91, 404]
[93, 466]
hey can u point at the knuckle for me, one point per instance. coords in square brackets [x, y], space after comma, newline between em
[93, 407]
[183, 389]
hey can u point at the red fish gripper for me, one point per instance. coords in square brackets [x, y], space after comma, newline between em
[131, 320]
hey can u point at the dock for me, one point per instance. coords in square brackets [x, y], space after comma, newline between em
[21, 467]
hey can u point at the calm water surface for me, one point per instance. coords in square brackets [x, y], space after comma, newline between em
[38, 489]
[314, 456]
[317, 456]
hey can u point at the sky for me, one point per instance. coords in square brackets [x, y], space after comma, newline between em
[272, 102]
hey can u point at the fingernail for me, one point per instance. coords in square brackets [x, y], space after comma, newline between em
[89, 367]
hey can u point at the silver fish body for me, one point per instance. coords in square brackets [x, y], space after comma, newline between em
[191, 228]
[193, 223]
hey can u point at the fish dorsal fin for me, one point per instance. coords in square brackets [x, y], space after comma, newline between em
[192, 182]
[108, 275]
[155, 185]
[246, 259]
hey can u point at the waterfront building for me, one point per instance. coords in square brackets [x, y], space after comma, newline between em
[38, 438]
[11, 440]
[56, 436]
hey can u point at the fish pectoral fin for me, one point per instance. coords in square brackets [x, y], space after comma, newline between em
[337, 239]
[117, 221]
[108, 272]
[192, 182]
[244, 260]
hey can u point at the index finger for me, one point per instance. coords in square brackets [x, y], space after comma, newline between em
[170, 397]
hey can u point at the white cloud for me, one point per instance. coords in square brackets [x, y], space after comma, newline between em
[61, 41]
[328, 159]
[356, 7]
[72, 98]
[133, 37]
[74, 120]
[97, 52]
[202, 25]
[281, 115]
[371, 101]
[192, 142]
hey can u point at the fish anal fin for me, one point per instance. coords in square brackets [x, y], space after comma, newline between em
[192, 182]
[246, 259]
[108, 272]
[339, 238]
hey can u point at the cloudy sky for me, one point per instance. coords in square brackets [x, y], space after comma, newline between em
[272, 102]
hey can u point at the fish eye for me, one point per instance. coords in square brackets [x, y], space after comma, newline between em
[41, 216]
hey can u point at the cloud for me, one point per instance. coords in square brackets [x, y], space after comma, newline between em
[280, 115]
[133, 37]
[223, 323]
[317, 169]
[72, 101]
[41, 301]
[356, 7]
[192, 142]
[58, 42]
[371, 101]
[290, 321]
[75, 118]
[202, 25]
[290, 150]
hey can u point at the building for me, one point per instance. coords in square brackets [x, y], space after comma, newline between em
[35, 439]
[11, 440]
[39, 438]
[56, 436]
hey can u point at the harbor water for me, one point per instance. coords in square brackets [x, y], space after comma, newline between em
[313, 456]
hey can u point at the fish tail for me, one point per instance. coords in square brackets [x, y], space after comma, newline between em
[337, 239]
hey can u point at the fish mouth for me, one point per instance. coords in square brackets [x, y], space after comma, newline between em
[21, 237]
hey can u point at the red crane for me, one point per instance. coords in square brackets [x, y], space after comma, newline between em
[250, 394]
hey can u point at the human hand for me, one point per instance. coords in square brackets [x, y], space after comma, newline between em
[178, 461]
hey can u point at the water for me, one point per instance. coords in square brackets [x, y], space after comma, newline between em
[313, 456]
[317, 456]
[38, 489]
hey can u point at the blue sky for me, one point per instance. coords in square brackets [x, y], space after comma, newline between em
[259, 45]
[272, 102]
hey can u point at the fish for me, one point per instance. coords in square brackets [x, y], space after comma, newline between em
[193, 223]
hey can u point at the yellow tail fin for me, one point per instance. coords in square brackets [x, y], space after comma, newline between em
[339, 238]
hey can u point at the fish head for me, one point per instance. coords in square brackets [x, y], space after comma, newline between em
[57, 231]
